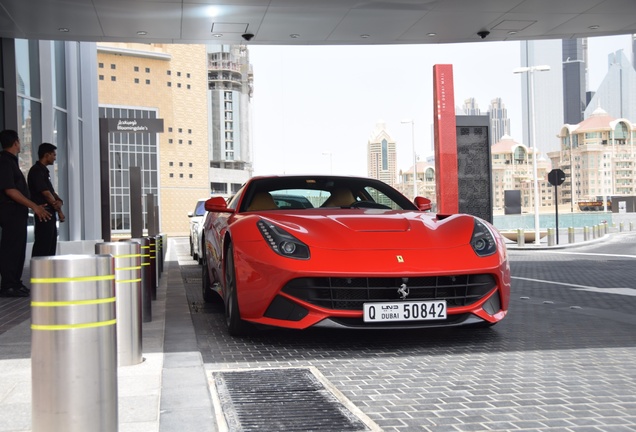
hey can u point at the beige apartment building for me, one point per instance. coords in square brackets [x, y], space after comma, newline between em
[512, 170]
[168, 82]
[424, 175]
[599, 155]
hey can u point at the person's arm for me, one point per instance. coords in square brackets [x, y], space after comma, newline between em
[39, 211]
[54, 202]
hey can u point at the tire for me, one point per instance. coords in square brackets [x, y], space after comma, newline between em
[235, 325]
[206, 288]
[191, 246]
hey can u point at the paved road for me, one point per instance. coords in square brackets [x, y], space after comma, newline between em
[563, 360]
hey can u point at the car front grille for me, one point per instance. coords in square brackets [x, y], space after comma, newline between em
[350, 293]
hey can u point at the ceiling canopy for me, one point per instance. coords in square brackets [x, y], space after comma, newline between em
[314, 22]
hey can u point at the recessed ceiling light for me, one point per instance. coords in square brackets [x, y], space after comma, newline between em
[217, 35]
[431, 34]
[294, 35]
[512, 32]
[63, 29]
[365, 36]
[142, 33]
[594, 27]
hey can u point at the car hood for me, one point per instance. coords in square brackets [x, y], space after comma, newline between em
[378, 229]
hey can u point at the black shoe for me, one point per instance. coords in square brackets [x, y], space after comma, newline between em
[15, 292]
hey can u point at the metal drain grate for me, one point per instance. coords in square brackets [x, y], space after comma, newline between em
[281, 400]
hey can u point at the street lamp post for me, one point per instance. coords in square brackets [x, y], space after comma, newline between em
[412, 121]
[530, 71]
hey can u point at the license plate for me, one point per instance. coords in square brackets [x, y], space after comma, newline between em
[404, 311]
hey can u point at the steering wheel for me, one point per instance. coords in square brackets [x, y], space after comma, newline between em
[369, 204]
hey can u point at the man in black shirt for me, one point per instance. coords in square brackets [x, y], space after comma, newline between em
[42, 193]
[14, 211]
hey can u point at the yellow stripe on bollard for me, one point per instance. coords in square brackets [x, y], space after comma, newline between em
[128, 281]
[73, 302]
[72, 279]
[127, 256]
[128, 268]
[73, 326]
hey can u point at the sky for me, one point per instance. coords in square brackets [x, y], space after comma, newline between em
[315, 107]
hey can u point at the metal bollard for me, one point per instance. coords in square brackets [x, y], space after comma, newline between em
[146, 279]
[597, 231]
[73, 344]
[521, 239]
[631, 226]
[571, 235]
[586, 233]
[551, 237]
[159, 242]
[605, 228]
[153, 267]
[127, 257]
[621, 227]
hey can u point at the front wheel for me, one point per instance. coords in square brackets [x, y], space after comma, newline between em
[206, 287]
[235, 325]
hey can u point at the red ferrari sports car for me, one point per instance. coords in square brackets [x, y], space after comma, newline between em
[349, 252]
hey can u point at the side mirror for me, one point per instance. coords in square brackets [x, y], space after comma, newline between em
[217, 204]
[423, 204]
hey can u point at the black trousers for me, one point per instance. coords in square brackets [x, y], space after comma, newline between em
[13, 220]
[45, 233]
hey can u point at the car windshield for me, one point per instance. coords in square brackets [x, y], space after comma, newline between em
[200, 208]
[326, 192]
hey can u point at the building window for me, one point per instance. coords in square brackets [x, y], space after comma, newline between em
[189, 131]
[113, 66]
[170, 141]
[147, 70]
[170, 163]
[190, 142]
[136, 80]
[101, 65]
[180, 164]
[170, 129]
[147, 81]
[169, 72]
[169, 84]
[113, 78]
[180, 130]
[190, 164]
[171, 175]
[179, 85]
[136, 68]
[190, 175]
[188, 86]
[101, 77]
[188, 75]
[180, 175]
[180, 141]
[178, 73]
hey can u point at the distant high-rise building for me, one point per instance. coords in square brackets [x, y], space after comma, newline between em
[499, 121]
[230, 92]
[574, 80]
[548, 110]
[617, 92]
[381, 155]
[471, 107]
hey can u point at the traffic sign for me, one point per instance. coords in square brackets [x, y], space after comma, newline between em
[556, 177]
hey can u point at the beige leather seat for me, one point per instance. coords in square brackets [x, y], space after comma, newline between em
[339, 198]
[262, 201]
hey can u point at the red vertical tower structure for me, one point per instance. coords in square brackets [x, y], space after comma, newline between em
[445, 140]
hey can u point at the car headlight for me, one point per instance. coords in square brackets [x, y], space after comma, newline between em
[483, 242]
[282, 242]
